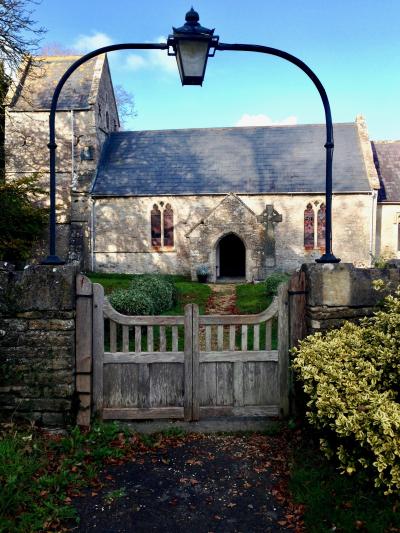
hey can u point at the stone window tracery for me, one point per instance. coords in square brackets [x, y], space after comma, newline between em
[162, 227]
[309, 227]
[321, 222]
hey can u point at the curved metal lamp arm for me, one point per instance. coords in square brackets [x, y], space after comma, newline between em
[328, 256]
[52, 258]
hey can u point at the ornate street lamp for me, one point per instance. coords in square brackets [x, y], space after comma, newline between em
[192, 44]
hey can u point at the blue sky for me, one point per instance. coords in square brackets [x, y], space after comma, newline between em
[352, 46]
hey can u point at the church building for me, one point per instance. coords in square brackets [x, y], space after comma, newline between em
[245, 201]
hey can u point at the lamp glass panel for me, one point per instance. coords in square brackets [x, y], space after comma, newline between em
[194, 57]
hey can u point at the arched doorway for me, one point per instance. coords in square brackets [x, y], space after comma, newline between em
[231, 257]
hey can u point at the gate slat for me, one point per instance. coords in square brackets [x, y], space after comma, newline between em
[244, 338]
[125, 338]
[138, 338]
[174, 338]
[256, 344]
[150, 339]
[268, 335]
[220, 338]
[232, 338]
[113, 336]
[208, 338]
[163, 340]
[238, 384]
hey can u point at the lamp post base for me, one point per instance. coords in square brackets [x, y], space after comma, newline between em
[328, 258]
[53, 260]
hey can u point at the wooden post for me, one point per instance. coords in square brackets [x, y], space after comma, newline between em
[297, 308]
[283, 349]
[188, 362]
[83, 353]
[196, 364]
[98, 347]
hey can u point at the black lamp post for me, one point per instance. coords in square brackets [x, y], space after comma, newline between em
[193, 44]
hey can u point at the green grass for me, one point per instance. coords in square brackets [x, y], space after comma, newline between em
[338, 502]
[252, 298]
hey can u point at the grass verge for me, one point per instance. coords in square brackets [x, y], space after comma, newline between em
[335, 502]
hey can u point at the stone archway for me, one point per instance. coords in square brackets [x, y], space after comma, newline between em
[231, 257]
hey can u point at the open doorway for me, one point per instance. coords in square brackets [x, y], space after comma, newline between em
[231, 257]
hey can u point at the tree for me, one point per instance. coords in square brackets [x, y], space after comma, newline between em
[125, 104]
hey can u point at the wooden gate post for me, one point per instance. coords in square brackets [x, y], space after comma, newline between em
[83, 350]
[188, 362]
[98, 347]
[283, 348]
[195, 364]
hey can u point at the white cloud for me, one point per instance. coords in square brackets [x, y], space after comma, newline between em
[87, 43]
[153, 59]
[264, 120]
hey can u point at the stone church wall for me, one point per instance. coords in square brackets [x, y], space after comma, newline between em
[387, 232]
[122, 240]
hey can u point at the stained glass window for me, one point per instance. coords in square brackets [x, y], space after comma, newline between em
[321, 227]
[168, 226]
[309, 228]
[155, 226]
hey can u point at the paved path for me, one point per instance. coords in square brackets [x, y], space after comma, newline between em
[222, 300]
[195, 484]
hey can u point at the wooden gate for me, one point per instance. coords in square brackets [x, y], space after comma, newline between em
[183, 367]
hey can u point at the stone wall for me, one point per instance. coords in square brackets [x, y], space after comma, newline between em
[122, 240]
[387, 231]
[37, 344]
[339, 292]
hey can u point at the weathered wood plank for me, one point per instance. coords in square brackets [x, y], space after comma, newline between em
[238, 383]
[143, 414]
[268, 335]
[232, 338]
[113, 336]
[220, 338]
[138, 339]
[283, 348]
[195, 363]
[98, 346]
[244, 338]
[260, 383]
[125, 338]
[143, 357]
[188, 362]
[250, 410]
[143, 385]
[112, 385]
[111, 313]
[256, 333]
[207, 384]
[297, 302]
[208, 338]
[233, 357]
[224, 384]
[163, 339]
[166, 385]
[129, 385]
[150, 339]
[174, 338]
[84, 383]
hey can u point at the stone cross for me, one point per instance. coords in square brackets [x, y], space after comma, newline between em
[269, 217]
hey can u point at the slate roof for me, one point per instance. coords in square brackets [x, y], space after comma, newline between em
[38, 86]
[272, 159]
[387, 162]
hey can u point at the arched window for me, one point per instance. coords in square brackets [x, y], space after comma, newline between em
[321, 221]
[168, 226]
[155, 227]
[309, 228]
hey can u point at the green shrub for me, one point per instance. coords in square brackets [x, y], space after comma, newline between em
[149, 294]
[21, 220]
[131, 302]
[273, 281]
[351, 378]
[160, 289]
